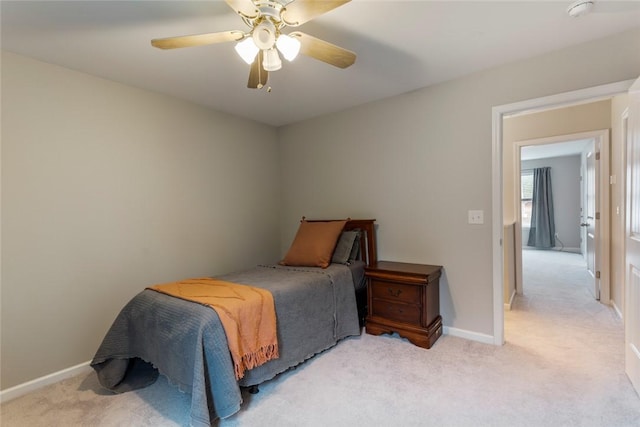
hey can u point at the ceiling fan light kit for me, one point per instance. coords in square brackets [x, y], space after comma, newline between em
[264, 34]
[288, 46]
[247, 50]
[271, 60]
[259, 47]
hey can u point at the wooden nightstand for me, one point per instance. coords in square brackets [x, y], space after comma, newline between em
[404, 298]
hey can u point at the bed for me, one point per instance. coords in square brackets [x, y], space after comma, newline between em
[185, 341]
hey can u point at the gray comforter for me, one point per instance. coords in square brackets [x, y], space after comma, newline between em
[185, 341]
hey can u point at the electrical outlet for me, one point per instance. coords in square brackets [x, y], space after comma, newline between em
[476, 217]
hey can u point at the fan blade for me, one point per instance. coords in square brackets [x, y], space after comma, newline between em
[244, 8]
[257, 76]
[324, 51]
[197, 39]
[300, 11]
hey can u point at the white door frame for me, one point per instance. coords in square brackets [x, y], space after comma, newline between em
[602, 255]
[498, 113]
[631, 249]
[621, 264]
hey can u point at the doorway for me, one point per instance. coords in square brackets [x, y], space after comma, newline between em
[500, 178]
[577, 200]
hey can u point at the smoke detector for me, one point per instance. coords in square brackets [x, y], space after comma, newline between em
[579, 8]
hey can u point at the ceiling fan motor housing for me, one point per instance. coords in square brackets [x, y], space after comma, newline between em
[269, 8]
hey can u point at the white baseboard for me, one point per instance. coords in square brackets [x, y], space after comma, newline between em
[28, 387]
[617, 310]
[573, 250]
[469, 335]
[556, 248]
[508, 305]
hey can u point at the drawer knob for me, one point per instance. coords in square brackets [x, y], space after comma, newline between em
[395, 292]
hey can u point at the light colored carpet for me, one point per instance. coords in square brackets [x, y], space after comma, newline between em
[562, 366]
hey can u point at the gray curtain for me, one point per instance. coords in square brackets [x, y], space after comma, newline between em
[543, 229]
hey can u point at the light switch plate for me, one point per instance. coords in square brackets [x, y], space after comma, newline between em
[476, 217]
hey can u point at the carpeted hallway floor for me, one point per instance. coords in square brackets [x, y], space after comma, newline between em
[562, 365]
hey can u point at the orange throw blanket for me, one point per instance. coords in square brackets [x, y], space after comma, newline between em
[247, 314]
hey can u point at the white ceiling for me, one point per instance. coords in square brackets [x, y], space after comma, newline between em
[558, 149]
[401, 46]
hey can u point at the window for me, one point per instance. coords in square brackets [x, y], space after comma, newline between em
[526, 196]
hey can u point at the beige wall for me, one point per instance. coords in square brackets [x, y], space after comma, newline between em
[419, 161]
[618, 106]
[561, 121]
[107, 189]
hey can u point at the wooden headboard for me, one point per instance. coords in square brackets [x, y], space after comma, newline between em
[368, 246]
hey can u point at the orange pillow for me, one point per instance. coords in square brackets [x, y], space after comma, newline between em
[314, 244]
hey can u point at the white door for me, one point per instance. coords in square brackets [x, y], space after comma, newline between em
[589, 223]
[632, 238]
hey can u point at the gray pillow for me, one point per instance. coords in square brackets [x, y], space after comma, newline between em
[355, 249]
[342, 252]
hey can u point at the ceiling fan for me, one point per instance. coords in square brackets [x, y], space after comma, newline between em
[259, 46]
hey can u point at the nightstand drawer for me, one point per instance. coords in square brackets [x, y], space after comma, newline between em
[395, 291]
[398, 312]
